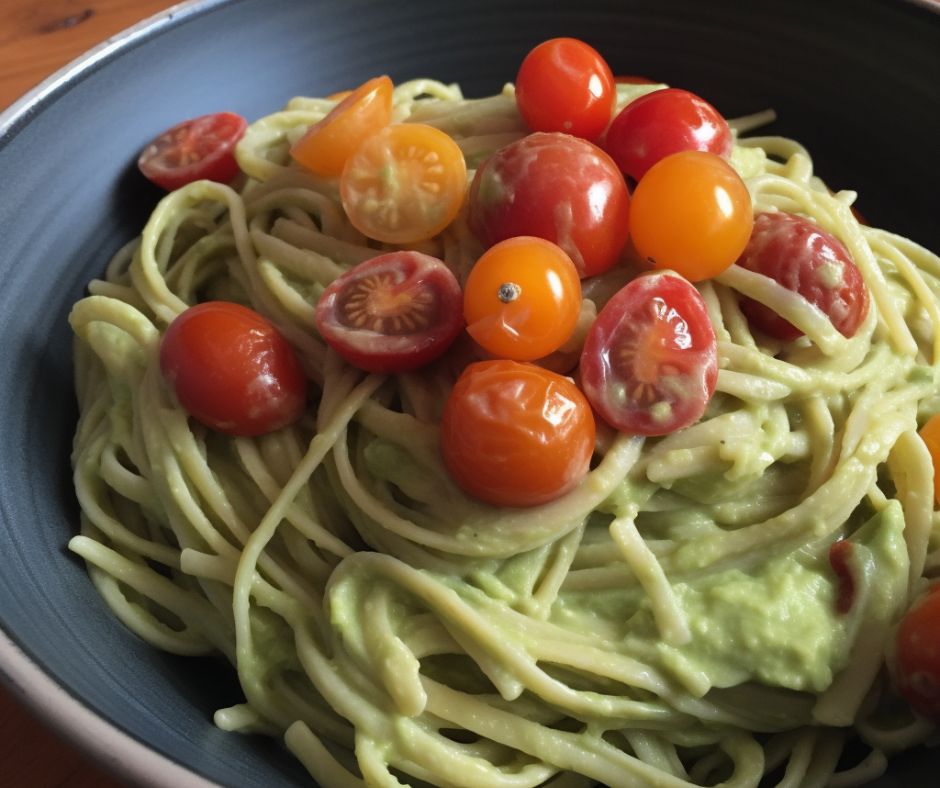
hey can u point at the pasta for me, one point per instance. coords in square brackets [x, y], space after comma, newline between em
[670, 622]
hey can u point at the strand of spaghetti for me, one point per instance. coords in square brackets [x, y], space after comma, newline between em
[319, 761]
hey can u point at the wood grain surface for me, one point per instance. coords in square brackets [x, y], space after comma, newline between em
[37, 37]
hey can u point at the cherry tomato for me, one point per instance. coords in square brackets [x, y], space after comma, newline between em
[663, 122]
[328, 144]
[404, 184]
[393, 313]
[522, 298]
[930, 433]
[918, 656]
[650, 360]
[691, 213]
[515, 434]
[806, 259]
[633, 79]
[199, 149]
[232, 370]
[565, 85]
[557, 187]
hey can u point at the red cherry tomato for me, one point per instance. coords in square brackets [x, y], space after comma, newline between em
[393, 313]
[556, 187]
[663, 122]
[806, 259]
[565, 85]
[232, 370]
[633, 79]
[650, 361]
[199, 149]
[515, 434]
[918, 656]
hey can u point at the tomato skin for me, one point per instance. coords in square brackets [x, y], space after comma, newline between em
[806, 259]
[930, 434]
[650, 361]
[201, 148]
[232, 370]
[557, 187]
[691, 213]
[918, 656]
[514, 434]
[566, 85]
[393, 313]
[661, 123]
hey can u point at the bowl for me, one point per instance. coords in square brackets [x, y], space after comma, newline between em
[855, 82]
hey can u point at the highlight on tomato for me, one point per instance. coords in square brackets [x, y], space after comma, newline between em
[803, 257]
[918, 655]
[557, 187]
[930, 434]
[232, 370]
[566, 85]
[202, 148]
[522, 299]
[404, 184]
[691, 213]
[661, 123]
[515, 434]
[393, 313]
[650, 361]
[328, 144]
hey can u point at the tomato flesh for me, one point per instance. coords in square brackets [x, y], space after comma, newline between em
[202, 148]
[515, 434]
[918, 656]
[806, 259]
[393, 313]
[232, 370]
[650, 361]
[557, 187]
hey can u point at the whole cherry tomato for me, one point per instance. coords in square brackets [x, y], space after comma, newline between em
[650, 361]
[232, 370]
[566, 85]
[199, 149]
[557, 187]
[918, 655]
[393, 313]
[804, 258]
[514, 434]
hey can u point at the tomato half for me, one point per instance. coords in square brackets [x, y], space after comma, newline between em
[566, 85]
[804, 258]
[557, 187]
[930, 434]
[232, 370]
[328, 144]
[522, 299]
[650, 360]
[691, 213]
[918, 656]
[404, 184]
[514, 434]
[393, 313]
[663, 122]
[199, 149]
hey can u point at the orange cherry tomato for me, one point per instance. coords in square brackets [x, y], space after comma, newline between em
[515, 434]
[328, 144]
[691, 213]
[522, 298]
[930, 433]
[404, 184]
[918, 656]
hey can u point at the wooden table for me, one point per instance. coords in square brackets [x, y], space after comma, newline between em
[37, 37]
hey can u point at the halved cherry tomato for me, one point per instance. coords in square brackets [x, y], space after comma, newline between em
[930, 433]
[199, 149]
[557, 187]
[393, 313]
[514, 434]
[232, 370]
[566, 85]
[918, 656]
[522, 298]
[650, 361]
[404, 184]
[804, 258]
[328, 144]
[691, 213]
[663, 122]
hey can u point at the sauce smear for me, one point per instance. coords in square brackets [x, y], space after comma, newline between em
[839, 555]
